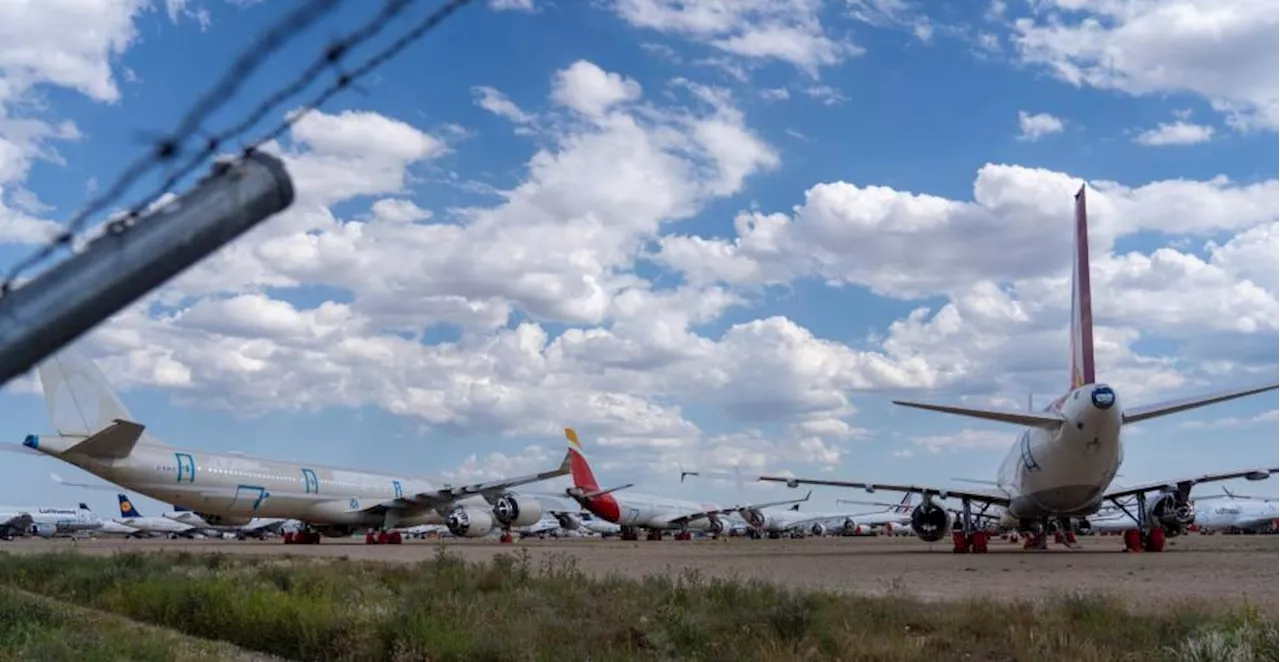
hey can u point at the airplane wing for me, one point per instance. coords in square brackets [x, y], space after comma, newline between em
[712, 512]
[448, 494]
[992, 496]
[1187, 483]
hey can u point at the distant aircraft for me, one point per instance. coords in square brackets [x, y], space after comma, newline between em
[129, 516]
[233, 489]
[258, 527]
[1063, 463]
[1236, 514]
[46, 522]
[792, 521]
[634, 511]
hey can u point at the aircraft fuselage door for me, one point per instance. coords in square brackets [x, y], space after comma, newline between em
[249, 498]
[186, 467]
[310, 482]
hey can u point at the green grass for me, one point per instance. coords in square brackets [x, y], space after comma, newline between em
[33, 627]
[508, 609]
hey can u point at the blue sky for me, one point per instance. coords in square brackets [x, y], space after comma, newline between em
[699, 236]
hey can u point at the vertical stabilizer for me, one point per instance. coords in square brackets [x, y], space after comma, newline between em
[583, 478]
[1081, 302]
[126, 507]
[78, 396]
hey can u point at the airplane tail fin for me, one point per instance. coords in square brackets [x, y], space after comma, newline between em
[583, 478]
[80, 400]
[905, 505]
[84, 506]
[126, 507]
[1082, 367]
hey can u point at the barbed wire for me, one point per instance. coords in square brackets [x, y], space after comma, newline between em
[170, 147]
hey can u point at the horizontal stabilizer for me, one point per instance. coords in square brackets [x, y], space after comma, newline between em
[1032, 419]
[1145, 412]
[599, 493]
[114, 442]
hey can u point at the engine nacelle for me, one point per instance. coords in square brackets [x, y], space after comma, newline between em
[1083, 525]
[817, 529]
[568, 521]
[44, 529]
[467, 523]
[510, 510]
[930, 522]
[1174, 517]
[755, 518]
[717, 526]
[224, 520]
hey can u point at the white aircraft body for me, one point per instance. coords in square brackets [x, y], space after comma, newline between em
[633, 511]
[794, 522]
[95, 432]
[599, 526]
[130, 517]
[258, 527]
[46, 522]
[1062, 465]
[1237, 515]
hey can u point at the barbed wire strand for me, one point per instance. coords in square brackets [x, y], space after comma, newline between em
[331, 58]
[170, 146]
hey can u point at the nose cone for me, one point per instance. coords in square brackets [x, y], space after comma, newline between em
[1103, 397]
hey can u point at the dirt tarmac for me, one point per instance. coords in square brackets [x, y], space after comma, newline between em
[1230, 570]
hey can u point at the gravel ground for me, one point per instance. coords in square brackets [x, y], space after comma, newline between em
[1227, 569]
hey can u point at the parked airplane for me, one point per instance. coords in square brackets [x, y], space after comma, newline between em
[791, 521]
[655, 513]
[129, 516]
[258, 527]
[1236, 514]
[104, 439]
[1063, 463]
[46, 522]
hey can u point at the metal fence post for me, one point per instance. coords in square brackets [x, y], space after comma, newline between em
[129, 260]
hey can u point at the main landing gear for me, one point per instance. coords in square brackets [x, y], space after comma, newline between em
[968, 537]
[302, 537]
[383, 538]
[1145, 538]
[628, 533]
[506, 538]
[1037, 533]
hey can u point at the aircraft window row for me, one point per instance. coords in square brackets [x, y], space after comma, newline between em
[265, 476]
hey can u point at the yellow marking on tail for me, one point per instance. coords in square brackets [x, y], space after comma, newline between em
[572, 436]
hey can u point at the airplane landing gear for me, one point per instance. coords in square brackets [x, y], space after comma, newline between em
[628, 533]
[383, 538]
[967, 537]
[302, 537]
[506, 537]
[684, 535]
[1146, 537]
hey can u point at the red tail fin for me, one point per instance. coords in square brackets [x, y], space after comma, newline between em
[583, 478]
[1082, 371]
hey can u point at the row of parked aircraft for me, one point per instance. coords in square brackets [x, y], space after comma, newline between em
[1058, 472]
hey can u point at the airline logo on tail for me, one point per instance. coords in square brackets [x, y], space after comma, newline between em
[126, 507]
[904, 506]
[580, 469]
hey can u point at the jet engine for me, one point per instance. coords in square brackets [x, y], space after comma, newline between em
[817, 529]
[467, 523]
[755, 518]
[568, 521]
[224, 520]
[510, 510]
[44, 529]
[1083, 525]
[930, 522]
[717, 526]
[1173, 516]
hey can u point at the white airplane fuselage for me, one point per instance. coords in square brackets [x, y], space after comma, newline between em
[656, 512]
[243, 487]
[1065, 472]
[1236, 514]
